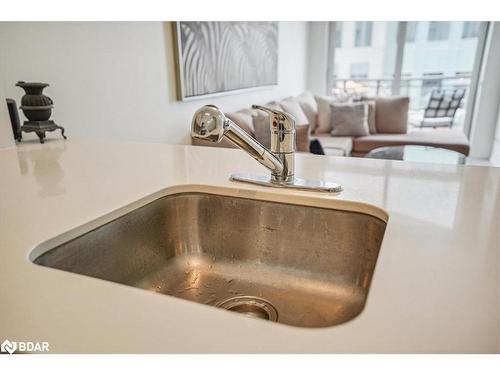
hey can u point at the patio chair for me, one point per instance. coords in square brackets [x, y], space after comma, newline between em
[442, 107]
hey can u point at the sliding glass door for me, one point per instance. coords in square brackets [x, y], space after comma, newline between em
[415, 59]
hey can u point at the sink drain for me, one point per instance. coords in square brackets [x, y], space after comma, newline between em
[254, 307]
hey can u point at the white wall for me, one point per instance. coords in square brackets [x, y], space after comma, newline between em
[117, 80]
[317, 52]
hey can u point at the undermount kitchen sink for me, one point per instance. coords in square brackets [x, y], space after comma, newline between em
[297, 265]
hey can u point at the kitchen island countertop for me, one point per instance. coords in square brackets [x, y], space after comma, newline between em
[436, 286]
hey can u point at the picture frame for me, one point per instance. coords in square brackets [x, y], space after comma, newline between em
[252, 47]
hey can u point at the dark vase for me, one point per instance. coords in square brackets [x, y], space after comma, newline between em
[35, 105]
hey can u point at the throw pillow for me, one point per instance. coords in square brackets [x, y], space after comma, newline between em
[349, 119]
[324, 113]
[310, 107]
[391, 114]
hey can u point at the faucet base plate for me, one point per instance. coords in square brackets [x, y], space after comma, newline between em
[297, 183]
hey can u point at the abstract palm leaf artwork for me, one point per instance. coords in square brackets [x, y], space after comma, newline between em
[217, 57]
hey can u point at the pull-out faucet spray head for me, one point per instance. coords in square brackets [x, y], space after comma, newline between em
[208, 123]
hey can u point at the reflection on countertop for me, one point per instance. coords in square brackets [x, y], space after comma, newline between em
[43, 164]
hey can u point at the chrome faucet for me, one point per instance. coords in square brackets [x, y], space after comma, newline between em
[210, 123]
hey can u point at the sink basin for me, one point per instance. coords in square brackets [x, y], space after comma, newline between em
[296, 265]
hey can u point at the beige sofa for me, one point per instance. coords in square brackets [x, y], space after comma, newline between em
[388, 127]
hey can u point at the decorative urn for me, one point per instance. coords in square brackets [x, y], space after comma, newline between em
[37, 108]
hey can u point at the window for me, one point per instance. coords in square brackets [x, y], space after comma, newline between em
[411, 31]
[373, 60]
[470, 30]
[438, 30]
[359, 70]
[363, 34]
[338, 34]
[385, 66]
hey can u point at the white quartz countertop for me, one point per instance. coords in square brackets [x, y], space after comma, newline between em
[436, 286]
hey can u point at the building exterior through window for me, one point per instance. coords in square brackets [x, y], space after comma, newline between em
[363, 36]
[438, 31]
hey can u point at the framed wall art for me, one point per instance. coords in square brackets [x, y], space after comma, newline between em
[217, 58]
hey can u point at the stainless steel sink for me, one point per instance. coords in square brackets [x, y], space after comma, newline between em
[297, 265]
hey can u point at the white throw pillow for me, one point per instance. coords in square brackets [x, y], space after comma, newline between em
[293, 108]
[310, 107]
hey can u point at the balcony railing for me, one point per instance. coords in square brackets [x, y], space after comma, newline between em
[418, 89]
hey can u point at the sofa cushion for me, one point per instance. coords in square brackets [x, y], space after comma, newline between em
[324, 114]
[334, 152]
[391, 115]
[337, 146]
[243, 119]
[293, 107]
[349, 120]
[451, 139]
[310, 107]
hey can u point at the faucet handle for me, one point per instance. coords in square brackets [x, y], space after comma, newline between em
[268, 110]
[285, 120]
